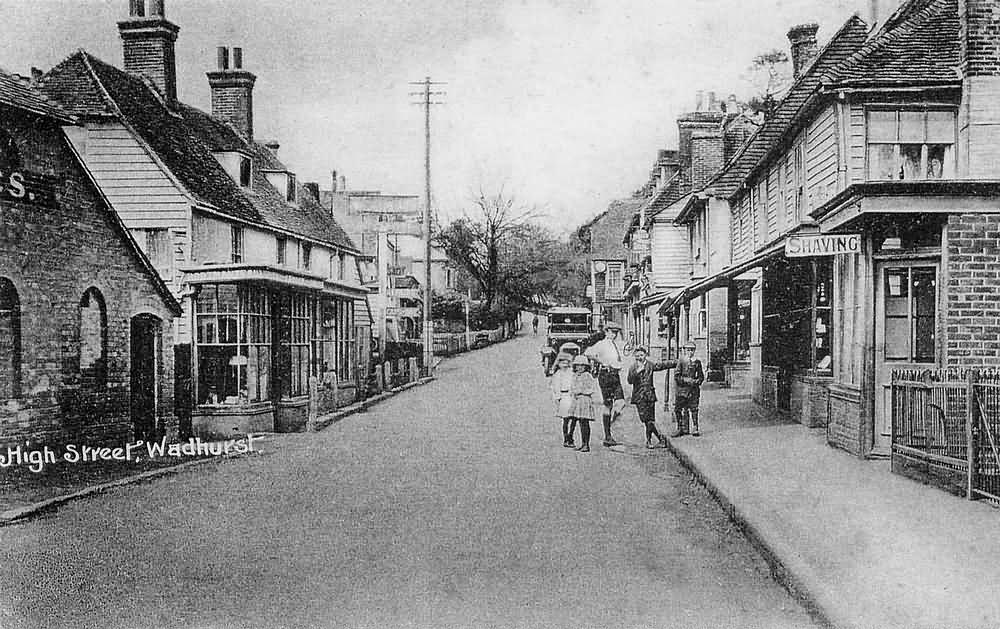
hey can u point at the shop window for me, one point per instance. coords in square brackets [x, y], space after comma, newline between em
[741, 325]
[848, 326]
[233, 344]
[910, 311]
[237, 244]
[93, 332]
[10, 341]
[798, 317]
[911, 144]
[334, 339]
[295, 322]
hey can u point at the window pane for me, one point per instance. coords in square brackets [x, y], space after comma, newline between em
[911, 126]
[924, 310]
[228, 298]
[941, 127]
[910, 157]
[205, 301]
[881, 126]
[939, 161]
[897, 338]
[882, 161]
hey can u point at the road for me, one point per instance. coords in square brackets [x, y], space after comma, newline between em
[450, 505]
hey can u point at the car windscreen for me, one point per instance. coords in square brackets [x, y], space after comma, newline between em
[569, 323]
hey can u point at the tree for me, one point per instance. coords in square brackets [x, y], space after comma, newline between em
[770, 76]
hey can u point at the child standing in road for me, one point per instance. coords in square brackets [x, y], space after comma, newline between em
[561, 384]
[587, 399]
[640, 376]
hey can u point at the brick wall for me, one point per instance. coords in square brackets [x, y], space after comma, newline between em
[148, 48]
[979, 37]
[232, 99]
[53, 249]
[972, 313]
[707, 152]
[844, 427]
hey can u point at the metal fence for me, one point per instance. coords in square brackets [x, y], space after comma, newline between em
[938, 414]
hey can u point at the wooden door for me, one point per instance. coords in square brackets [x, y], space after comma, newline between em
[906, 299]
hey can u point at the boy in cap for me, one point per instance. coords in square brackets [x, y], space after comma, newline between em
[640, 376]
[688, 378]
[607, 354]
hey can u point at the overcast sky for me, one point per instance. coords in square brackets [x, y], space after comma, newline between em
[564, 103]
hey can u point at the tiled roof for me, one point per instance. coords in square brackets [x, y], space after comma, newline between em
[919, 44]
[677, 187]
[844, 43]
[185, 139]
[17, 93]
[606, 229]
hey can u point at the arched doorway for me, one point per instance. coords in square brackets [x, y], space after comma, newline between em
[146, 351]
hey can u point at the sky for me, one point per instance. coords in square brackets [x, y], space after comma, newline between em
[561, 104]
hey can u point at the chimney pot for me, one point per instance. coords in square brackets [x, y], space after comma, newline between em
[148, 45]
[712, 103]
[36, 74]
[333, 176]
[237, 58]
[222, 54]
[137, 8]
[804, 47]
[699, 100]
[343, 183]
[232, 92]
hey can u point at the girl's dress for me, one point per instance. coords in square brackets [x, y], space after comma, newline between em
[587, 398]
[562, 383]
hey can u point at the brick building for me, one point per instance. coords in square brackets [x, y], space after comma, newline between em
[610, 274]
[276, 322]
[85, 321]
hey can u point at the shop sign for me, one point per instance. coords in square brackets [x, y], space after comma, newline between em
[822, 245]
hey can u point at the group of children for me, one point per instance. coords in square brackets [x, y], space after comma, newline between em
[579, 400]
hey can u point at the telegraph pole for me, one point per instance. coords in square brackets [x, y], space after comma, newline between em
[426, 102]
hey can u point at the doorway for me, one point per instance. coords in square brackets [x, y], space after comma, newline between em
[145, 353]
[906, 299]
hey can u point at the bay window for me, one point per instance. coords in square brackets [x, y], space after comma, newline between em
[911, 144]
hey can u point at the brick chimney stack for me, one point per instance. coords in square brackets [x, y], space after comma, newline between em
[979, 63]
[148, 45]
[232, 92]
[804, 46]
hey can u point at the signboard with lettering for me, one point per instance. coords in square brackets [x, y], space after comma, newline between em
[802, 246]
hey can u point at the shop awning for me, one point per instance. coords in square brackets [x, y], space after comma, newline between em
[267, 274]
[722, 277]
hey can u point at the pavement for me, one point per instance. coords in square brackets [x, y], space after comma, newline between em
[867, 548]
[453, 504]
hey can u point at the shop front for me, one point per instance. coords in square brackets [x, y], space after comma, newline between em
[268, 353]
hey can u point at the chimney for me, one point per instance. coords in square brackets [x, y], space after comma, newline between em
[699, 100]
[712, 103]
[273, 146]
[804, 46]
[232, 92]
[148, 45]
[312, 188]
[343, 183]
[732, 105]
[707, 153]
[979, 60]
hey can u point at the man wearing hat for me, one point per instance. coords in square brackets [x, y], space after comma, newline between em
[607, 353]
[688, 379]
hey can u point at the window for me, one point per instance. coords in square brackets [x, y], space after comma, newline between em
[799, 179]
[306, 255]
[237, 238]
[158, 250]
[910, 303]
[290, 188]
[703, 315]
[847, 319]
[822, 359]
[614, 285]
[10, 341]
[334, 266]
[340, 267]
[741, 325]
[335, 341]
[295, 322]
[280, 246]
[246, 171]
[914, 144]
[93, 332]
[233, 344]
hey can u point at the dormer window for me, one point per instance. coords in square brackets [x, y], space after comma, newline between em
[238, 165]
[284, 182]
[246, 171]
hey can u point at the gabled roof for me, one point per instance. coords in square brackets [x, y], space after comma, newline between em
[919, 45]
[185, 140]
[665, 197]
[17, 93]
[844, 43]
[606, 229]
